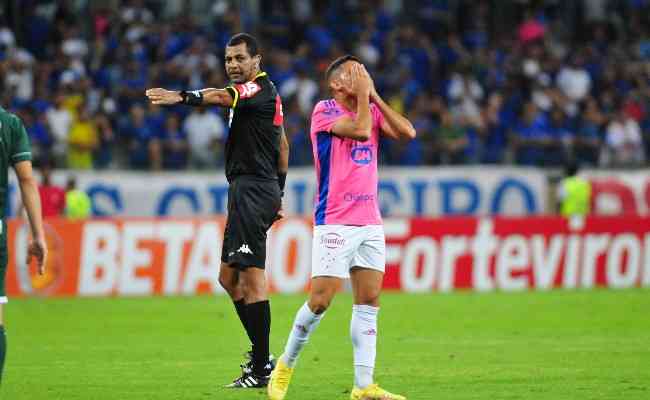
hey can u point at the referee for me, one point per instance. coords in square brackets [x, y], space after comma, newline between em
[257, 154]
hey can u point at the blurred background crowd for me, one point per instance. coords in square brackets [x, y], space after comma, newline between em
[535, 83]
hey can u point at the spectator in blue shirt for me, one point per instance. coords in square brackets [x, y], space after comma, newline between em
[589, 137]
[39, 135]
[174, 144]
[531, 136]
[561, 138]
[495, 130]
[142, 140]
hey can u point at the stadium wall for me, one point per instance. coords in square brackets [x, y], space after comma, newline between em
[403, 192]
[164, 256]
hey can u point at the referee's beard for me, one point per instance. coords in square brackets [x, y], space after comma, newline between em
[243, 77]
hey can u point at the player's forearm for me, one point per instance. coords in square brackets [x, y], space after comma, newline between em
[363, 121]
[32, 203]
[400, 124]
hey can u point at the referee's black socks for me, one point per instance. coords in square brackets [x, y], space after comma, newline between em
[259, 323]
[240, 306]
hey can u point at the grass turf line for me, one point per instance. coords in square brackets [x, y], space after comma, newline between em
[551, 345]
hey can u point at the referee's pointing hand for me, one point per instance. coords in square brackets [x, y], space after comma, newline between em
[163, 96]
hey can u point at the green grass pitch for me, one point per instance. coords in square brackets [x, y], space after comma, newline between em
[552, 345]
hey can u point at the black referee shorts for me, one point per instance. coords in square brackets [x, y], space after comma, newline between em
[253, 205]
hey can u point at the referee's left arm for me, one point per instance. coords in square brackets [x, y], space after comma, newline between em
[209, 96]
[217, 97]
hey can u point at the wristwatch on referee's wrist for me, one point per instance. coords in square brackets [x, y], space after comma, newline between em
[191, 97]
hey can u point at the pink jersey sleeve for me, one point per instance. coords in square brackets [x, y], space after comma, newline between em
[325, 114]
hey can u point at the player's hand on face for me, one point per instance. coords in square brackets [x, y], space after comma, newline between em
[373, 91]
[163, 96]
[360, 80]
[38, 249]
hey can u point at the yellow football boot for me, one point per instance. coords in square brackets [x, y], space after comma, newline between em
[279, 382]
[374, 392]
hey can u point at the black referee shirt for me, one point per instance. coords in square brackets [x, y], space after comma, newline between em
[253, 144]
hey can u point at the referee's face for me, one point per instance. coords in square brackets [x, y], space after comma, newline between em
[240, 66]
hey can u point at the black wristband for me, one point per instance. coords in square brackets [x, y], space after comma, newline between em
[192, 98]
[282, 180]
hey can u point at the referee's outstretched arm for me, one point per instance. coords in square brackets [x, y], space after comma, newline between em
[209, 96]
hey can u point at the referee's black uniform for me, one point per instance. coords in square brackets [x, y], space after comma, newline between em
[252, 153]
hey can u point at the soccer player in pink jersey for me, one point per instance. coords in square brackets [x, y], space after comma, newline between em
[348, 232]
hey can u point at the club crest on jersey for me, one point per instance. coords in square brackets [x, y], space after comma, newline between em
[361, 155]
[248, 89]
[332, 240]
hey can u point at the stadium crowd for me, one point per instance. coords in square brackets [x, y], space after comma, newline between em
[516, 82]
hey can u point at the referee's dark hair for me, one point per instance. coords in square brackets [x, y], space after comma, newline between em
[251, 43]
[337, 63]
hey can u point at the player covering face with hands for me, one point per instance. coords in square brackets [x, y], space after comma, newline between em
[256, 154]
[16, 153]
[348, 240]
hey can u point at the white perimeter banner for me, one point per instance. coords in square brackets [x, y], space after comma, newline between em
[402, 192]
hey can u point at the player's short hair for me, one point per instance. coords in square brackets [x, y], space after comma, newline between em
[337, 63]
[251, 43]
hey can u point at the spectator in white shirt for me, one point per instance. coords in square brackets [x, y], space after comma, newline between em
[59, 120]
[303, 87]
[465, 93]
[624, 143]
[205, 134]
[74, 45]
[575, 83]
[19, 76]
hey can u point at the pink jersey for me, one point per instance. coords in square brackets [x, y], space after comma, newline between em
[346, 169]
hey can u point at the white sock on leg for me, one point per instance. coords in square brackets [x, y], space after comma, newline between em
[363, 331]
[306, 321]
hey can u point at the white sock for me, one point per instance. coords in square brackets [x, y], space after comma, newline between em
[363, 331]
[306, 321]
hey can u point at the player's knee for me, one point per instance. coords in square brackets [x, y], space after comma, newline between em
[369, 298]
[319, 304]
[255, 290]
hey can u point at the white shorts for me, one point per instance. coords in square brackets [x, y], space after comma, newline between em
[337, 248]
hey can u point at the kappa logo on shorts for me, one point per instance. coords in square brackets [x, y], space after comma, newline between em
[332, 240]
[370, 332]
[244, 249]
